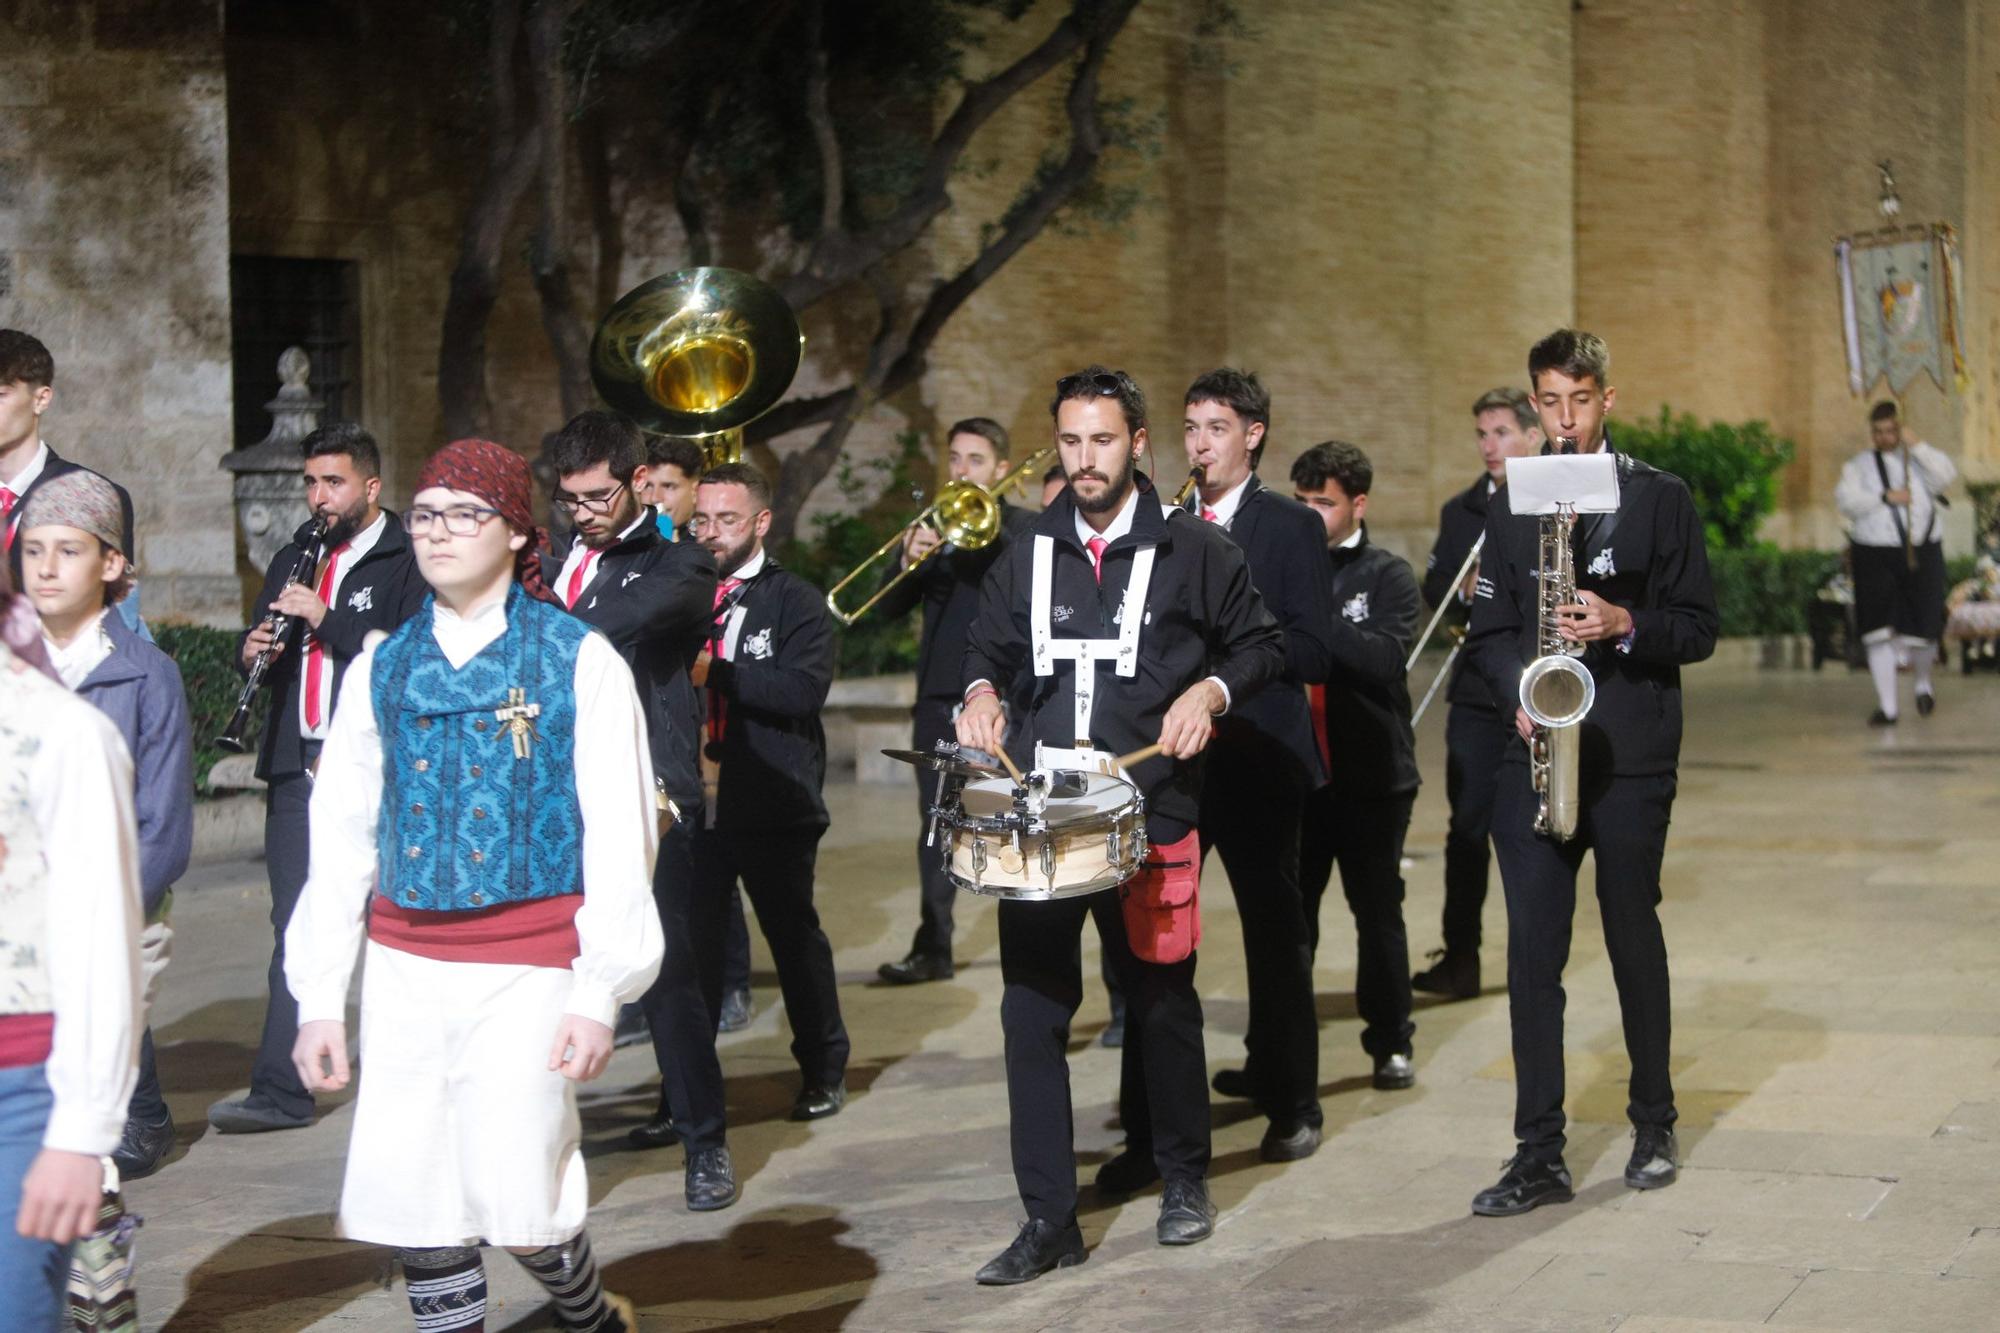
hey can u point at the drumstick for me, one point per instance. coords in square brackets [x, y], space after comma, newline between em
[1139, 756]
[1008, 764]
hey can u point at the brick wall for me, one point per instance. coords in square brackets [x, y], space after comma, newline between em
[114, 251]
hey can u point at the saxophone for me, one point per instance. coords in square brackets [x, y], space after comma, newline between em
[1557, 690]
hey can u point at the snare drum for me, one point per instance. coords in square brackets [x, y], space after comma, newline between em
[1089, 835]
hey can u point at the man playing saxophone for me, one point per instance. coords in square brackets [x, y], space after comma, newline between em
[1643, 607]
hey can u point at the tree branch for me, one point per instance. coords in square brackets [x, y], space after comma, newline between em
[844, 257]
[820, 116]
[549, 254]
[511, 156]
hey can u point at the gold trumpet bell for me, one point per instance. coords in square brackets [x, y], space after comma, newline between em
[966, 515]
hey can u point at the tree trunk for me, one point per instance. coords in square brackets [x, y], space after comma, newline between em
[549, 256]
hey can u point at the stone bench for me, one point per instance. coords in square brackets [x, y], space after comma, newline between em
[865, 715]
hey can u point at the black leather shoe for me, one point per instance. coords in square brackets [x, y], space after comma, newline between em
[711, 1180]
[915, 969]
[1231, 1082]
[814, 1103]
[1393, 1073]
[141, 1147]
[1656, 1158]
[1186, 1215]
[1128, 1173]
[253, 1115]
[735, 1014]
[1926, 704]
[655, 1133]
[1289, 1143]
[1040, 1247]
[1526, 1183]
[1878, 718]
[1452, 974]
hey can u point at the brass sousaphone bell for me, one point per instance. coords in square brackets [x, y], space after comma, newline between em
[699, 353]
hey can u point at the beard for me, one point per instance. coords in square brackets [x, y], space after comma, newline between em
[1117, 486]
[729, 559]
[343, 524]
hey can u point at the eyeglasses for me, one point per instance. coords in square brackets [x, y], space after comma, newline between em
[1103, 384]
[589, 504]
[720, 522]
[459, 520]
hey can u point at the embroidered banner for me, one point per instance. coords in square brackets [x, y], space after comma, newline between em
[1899, 310]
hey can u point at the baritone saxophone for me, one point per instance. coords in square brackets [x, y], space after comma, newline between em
[1557, 690]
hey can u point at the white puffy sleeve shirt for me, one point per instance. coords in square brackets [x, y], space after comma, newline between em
[618, 926]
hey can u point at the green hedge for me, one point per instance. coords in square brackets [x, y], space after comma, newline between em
[1762, 590]
[1730, 469]
[207, 659]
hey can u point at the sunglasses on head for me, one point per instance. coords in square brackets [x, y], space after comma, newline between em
[1104, 384]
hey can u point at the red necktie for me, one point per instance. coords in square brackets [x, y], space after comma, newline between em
[1316, 695]
[1207, 514]
[7, 499]
[315, 653]
[576, 578]
[717, 708]
[1096, 547]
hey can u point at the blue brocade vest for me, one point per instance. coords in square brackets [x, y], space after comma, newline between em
[465, 823]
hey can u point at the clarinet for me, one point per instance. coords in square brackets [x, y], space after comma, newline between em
[311, 541]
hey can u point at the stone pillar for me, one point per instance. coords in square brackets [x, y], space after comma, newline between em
[269, 486]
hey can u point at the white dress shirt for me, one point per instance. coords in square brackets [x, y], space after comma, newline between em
[80, 791]
[19, 484]
[618, 926]
[83, 654]
[1871, 521]
[357, 546]
[578, 553]
[1225, 506]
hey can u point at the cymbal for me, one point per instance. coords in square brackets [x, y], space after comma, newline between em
[945, 761]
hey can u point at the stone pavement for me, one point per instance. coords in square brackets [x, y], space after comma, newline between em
[1832, 921]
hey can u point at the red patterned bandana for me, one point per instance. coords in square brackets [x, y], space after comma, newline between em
[499, 476]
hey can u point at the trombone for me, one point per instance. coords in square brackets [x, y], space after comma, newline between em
[965, 514]
[1457, 634]
[699, 353]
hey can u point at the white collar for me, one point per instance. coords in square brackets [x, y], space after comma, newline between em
[1225, 507]
[82, 654]
[750, 568]
[1353, 539]
[1120, 524]
[26, 476]
[1491, 485]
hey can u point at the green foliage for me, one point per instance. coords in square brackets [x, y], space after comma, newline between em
[207, 659]
[1761, 590]
[1731, 469]
[876, 644]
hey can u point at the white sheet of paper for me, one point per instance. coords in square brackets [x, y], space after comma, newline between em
[1588, 483]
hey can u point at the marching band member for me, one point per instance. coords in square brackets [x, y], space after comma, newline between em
[1264, 761]
[1889, 495]
[484, 819]
[666, 482]
[948, 587]
[1475, 735]
[1362, 715]
[1644, 608]
[651, 598]
[366, 581]
[767, 667]
[1139, 627]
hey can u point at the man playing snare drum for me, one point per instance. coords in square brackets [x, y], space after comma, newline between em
[1153, 615]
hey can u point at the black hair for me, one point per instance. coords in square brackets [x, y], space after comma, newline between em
[744, 475]
[590, 438]
[24, 358]
[1335, 461]
[1574, 353]
[1508, 399]
[1096, 382]
[986, 428]
[344, 437]
[682, 453]
[1242, 393]
[1883, 411]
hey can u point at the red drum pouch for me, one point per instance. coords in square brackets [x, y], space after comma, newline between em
[1162, 903]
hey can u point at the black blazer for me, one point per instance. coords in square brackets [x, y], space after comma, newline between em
[1460, 522]
[948, 587]
[1203, 618]
[380, 592]
[653, 598]
[52, 467]
[1367, 692]
[773, 749]
[1649, 557]
[1285, 545]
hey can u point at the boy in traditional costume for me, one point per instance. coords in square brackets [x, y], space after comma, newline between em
[484, 812]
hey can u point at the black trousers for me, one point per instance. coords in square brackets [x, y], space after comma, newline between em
[775, 867]
[1474, 739]
[286, 852]
[1163, 1085]
[1364, 837]
[736, 945]
[930, 722]
[148, 1105]
[1623, 823]
[677, 1009]
[1251, 808]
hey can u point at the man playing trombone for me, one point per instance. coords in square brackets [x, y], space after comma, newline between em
[948, 587]
[1475, 735]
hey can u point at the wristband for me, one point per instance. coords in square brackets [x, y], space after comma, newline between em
[978, 690]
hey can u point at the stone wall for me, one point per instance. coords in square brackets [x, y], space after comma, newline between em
[114, 250]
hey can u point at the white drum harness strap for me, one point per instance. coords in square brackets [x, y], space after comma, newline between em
[1046, 649]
